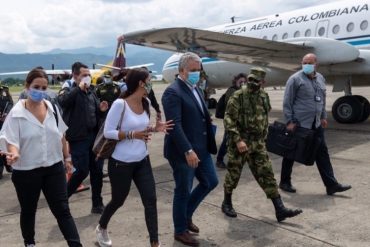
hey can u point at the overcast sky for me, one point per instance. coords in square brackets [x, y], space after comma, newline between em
[42, 25]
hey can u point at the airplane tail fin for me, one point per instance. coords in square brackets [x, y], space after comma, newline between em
[119, 59]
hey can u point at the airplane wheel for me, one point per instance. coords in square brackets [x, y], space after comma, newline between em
[347, 109]
[365, 108]
[212, 103]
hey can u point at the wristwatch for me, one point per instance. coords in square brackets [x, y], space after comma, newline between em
[189, 152]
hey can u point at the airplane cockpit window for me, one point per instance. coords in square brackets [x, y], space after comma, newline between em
[336, 29]
[285, 35]
[350, 27]
[364, 25]
[275, 37]
[321, 31]
[297, 34]
[307, 33]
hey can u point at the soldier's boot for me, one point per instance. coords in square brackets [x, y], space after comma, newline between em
[282, 212]
[227, 206]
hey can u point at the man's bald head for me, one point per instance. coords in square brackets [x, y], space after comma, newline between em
[309, 58]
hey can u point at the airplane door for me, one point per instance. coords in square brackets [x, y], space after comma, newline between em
[322, 28]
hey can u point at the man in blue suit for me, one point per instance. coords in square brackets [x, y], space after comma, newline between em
[188, 146]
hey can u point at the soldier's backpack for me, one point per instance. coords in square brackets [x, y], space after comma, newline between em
[221, 107]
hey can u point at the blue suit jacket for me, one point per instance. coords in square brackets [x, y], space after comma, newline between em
[193, 129]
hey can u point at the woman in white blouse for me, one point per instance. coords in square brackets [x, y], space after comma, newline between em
[32, 138]
[130, 160]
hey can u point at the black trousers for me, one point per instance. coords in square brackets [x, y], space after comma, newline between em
[121, 174]
[84, 160]
[52, 182]
[322, 161]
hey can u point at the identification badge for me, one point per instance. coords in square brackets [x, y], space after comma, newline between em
[317, 98]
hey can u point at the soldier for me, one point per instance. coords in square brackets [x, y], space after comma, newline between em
[6, 103]
[108, 90]
[246, 123]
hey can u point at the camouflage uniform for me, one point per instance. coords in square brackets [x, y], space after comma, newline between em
[246, 118]
[108, 92]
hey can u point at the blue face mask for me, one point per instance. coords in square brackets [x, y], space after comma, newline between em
[308, 68]
[193, 77]
[36, 95]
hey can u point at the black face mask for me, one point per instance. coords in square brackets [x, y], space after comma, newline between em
[253, 85]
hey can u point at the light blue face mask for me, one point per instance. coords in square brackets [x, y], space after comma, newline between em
[308, 68]
[36, 95]
[194, 77]
[148, 87]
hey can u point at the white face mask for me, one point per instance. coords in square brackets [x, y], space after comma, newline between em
[86, 80]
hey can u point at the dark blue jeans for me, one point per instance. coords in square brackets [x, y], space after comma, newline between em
[223, 148]
[322, 161]
[52, 182]
[186, 200]
[83, 159]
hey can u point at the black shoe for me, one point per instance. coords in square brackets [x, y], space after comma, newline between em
[287, 187]
[337, 188]
[228, 210]
[221, 164]
[9, 169]
[281, 212]
[98, 209]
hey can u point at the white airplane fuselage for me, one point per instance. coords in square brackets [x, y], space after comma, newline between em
[345, 21]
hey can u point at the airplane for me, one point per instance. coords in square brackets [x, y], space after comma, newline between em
[338, 33]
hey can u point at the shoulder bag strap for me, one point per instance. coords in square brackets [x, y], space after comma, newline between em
[55, 113]
[121, 118]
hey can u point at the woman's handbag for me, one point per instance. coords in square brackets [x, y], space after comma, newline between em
[103, 147]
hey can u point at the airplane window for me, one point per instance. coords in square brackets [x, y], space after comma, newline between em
[321, 31]
[307, 33]
[350, 27]
[336, 29]
[364, 25]
[275, 37]
[297, 34]
[285, 35]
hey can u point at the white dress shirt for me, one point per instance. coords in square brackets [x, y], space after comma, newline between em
[39, 144]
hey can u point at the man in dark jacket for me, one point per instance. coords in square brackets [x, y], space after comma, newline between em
[188, 146]
[81, 112]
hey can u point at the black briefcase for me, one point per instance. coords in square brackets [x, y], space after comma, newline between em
[300, 145]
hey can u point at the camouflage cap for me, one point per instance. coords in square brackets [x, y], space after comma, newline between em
[107, 73]
[257, 73]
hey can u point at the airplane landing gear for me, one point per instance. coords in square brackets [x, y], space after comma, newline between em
[351, 109]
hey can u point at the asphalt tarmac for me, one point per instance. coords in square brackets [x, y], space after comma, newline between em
[339, 220]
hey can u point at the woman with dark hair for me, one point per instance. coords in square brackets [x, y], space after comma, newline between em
[33, 135]
[130, 159]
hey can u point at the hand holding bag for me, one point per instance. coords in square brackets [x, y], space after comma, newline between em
[103, 147]
[301, 145]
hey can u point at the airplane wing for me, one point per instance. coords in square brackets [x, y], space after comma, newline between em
[47, 71]
[285, 55]
[127, 67]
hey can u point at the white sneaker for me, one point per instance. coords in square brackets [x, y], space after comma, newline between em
[102, 237]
